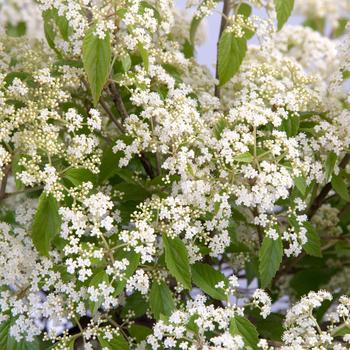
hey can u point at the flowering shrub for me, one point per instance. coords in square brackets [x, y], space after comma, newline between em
[147, 203]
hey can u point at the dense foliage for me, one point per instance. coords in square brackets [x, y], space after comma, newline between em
[147, 203]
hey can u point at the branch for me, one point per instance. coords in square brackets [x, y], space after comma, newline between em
[319, 200]
[225, 12]
[3, 185]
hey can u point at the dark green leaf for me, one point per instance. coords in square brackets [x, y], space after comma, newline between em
[270, 258]
[161, 300]
[46, 224]
[231, 53]
[139, 332]
[243, 327]
[177, 262]
[313, 244]
[340, 187]
[301, 185]
[206, 278]
[118, 342]
[96, 279]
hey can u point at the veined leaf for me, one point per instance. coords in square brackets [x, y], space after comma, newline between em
[161, 300]
[284, 9]
[313, 244]
[241, 326]
[177, 262]
[118, 342]
[206, 278]
[96, 59]
[231, 54]
[270, 258]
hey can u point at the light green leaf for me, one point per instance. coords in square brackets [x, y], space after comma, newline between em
[96, 60]
[79, 175]
[270, 258]
[330, 164]
[241, 326]
[231, 54]
[313, 244]
[284, 9]
[244, 158]
[46, 223]
[301, 185]
[176, 260]
[118, 342]
[339, 186]
[144, 56]
[161, 300]
[206, 278]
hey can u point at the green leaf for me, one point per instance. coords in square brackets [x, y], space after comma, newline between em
[9, 343]
[284, 9]
[17, 30]
[96, 279]
[206, 278]
[330, 164]
[313, 244]
[118, 342]
[291, 125]
[270, 258]
[96, 60]
[139, 332]
[144, 56]
[46, 223]
[79, 175]
[176, 260]
[340, 187]
[134, 260]
[161, 300]
[243, 327]
[136, 303]
[301, 185]
[244, 158]
[231, 53]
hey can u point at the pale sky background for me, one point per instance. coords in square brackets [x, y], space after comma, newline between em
[206, 53]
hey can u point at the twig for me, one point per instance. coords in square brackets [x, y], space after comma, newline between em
[3, 185]
[225, 12]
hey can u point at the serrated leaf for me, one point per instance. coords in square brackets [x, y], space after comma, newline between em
[206, 278]
[176, 260]
[284, 9]
[97, 279]
[239, 325]
[231, 54]
[330, 164]
[313, 244]
[118, 342]
[340, 188]
[96, 60]
[270, 258]
[161, 300]
[46, 224]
